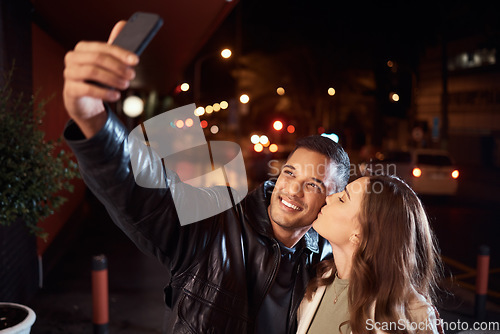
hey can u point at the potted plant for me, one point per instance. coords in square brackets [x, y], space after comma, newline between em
[16, 318]
[33, 172]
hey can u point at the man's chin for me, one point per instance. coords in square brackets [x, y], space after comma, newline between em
[291, 225]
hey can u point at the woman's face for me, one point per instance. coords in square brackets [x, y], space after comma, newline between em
[338, 220]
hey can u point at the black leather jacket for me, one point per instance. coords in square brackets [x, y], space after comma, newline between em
[221, 268]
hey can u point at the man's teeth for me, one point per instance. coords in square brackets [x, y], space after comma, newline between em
[290, 205]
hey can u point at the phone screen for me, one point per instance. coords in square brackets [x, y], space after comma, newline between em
[138, 32]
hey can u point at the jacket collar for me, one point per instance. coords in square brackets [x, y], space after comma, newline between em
[257, 203]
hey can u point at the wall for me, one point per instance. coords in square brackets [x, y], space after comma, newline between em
[18, 262]
[39, 62]
[48, 66]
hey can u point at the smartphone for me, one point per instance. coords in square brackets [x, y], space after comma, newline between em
[138, 32]
[136, 35]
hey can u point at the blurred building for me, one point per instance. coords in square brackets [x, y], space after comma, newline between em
[465, 89]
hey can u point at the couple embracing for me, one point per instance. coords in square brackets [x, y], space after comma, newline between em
[308, 253]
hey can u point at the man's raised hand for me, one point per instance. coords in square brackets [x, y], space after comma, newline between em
[99, 62]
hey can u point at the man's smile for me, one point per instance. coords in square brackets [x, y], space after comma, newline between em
[289, 204]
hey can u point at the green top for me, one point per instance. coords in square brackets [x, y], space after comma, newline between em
[330, 315]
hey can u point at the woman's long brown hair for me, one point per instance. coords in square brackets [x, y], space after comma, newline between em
[397, 254]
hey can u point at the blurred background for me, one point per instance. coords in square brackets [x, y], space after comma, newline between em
[414, 85]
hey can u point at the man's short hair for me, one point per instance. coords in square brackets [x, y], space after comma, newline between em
[336, 155]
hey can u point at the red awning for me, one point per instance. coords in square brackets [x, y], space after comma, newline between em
[188, 24]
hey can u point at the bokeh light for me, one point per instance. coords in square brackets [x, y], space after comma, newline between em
[255, 139]
[278, 125]
[226, 53]
[199, 111]
[244, 98]
[179, 123]
[263, 139]
[133, 106]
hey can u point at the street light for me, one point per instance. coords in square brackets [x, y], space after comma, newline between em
[278, 125]
[244, 98]
[226, 53]
[133, 106]
[394, 97]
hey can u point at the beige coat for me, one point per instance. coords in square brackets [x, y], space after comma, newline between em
[423, 313]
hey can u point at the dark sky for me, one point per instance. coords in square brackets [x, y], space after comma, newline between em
[373, 26]
[355, 34]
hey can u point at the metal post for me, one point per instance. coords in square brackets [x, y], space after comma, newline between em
[482, 272]
[100, 295]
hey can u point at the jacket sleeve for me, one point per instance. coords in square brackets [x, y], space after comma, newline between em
[147, 215]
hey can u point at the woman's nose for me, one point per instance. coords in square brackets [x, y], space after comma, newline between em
[329, 198]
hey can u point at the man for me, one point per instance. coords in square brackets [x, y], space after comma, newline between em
[244, 270]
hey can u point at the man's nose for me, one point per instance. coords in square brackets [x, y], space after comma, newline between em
[295, 188]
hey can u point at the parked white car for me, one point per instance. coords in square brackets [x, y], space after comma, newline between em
[427, 171]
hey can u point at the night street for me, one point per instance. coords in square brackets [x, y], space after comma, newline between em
[224, 95]
[465, 222]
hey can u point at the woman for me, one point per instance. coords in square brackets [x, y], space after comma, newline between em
[385, 265]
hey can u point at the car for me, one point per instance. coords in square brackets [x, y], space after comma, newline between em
[427, 171]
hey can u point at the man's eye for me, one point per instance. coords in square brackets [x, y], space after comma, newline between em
[314, 187]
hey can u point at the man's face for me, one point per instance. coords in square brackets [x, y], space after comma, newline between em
[300, 190]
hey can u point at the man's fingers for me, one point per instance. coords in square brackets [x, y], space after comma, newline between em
[127, 57]
[116, 30]
[77, 89]
[101, 60]
[93, 73]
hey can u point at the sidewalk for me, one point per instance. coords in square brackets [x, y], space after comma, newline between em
[136, 281]
[457, 311]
